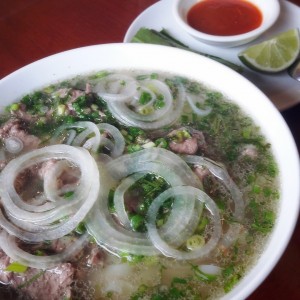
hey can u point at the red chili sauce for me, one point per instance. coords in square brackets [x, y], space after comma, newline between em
[224, 17]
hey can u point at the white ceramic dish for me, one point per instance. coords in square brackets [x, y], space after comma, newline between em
[269, 9]
[237, 88]
[280, 88]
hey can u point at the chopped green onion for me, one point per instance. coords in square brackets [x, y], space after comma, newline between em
[137, 222]
[145, 98]
[61, 109]
[14, 106]
[195, 241]
[16, 267]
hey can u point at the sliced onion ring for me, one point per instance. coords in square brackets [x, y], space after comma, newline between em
[63, 215]
[222, 174]
[160, 244]
[121, 113]
[10, 247]
[160, 162]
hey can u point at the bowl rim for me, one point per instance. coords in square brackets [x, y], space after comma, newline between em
[272, 8]
[70, 63]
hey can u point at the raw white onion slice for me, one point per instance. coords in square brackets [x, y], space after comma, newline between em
[170, 167]
[119, 142]
[119, 198]
[10, 247]
[222, 174]
[148, 86]
[160, 118]
[197, 110]
[116, 87]
[92, 138]
[26, 219]
[160, 162]
[71, 136]
[163, 246]
[13, 144]
[90, 128]
[154, 160]
[210, 269]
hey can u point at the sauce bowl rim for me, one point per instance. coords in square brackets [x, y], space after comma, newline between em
[270, 10]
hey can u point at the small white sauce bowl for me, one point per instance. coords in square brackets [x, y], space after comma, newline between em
[270, 10]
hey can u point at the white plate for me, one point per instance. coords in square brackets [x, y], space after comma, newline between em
[280, 88]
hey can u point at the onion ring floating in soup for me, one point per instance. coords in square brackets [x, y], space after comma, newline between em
[37, 223]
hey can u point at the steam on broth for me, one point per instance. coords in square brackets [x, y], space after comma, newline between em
[131, 185]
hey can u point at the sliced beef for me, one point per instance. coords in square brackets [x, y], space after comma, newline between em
[23, 115]
[188, 143]
[201, 172]
[250, 151]
[188, 146]
[16, 128]
[74, 95]
[95, 257]
[22, 180]
[45, 167]
[5, 277]
[52, 284]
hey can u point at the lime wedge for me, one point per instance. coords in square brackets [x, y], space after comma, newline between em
[273, 55]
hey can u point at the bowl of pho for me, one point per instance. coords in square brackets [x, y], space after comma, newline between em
[133, 171]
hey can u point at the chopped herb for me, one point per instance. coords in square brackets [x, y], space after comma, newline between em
[202, 225]
[39, 253]
[80, 229]
[111, 205]
[16, 267]
[263, 220]
[68, 195]
[145, 98]
[31, 280]
[133, 148]
[184, 119]
[13, 107]
[99, 75]
[159, 102]
[231, 282]
[195, 241]
[137, 223]
[161, 143]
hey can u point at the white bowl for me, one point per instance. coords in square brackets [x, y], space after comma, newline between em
[270, 10]
[235, 87]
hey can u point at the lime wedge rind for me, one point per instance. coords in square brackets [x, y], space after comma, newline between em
[273, 55]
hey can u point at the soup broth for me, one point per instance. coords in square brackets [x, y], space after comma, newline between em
[131, 185]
